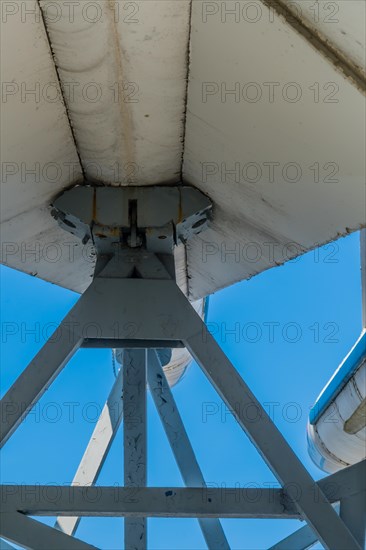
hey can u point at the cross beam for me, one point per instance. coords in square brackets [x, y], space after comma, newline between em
[17, 500]
[49, 500]
[134, 502]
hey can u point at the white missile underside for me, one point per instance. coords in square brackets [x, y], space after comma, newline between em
[125, 113]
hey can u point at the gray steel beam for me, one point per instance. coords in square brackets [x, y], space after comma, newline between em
[285, 465]
[97, 449]
[152, 501]
[38, 376]
[181, 446]
[135, 439]
[34, 535]
[120, 344]
[353, 513]
[134, 502]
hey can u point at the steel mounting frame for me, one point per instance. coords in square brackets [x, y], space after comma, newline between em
[161, 317]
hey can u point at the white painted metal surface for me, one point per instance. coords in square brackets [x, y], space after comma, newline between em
[341, 23]
[331, 446]
[37, 148]
[128, 71]
[337, 424]
[295, 154]
[255, 121]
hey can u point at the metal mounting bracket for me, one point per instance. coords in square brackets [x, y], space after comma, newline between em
[151, 218]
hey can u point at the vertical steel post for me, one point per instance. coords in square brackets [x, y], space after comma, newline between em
[134, 438]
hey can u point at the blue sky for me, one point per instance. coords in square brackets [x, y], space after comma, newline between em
[294, 325]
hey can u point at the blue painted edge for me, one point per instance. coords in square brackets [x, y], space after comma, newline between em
[340, 378]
